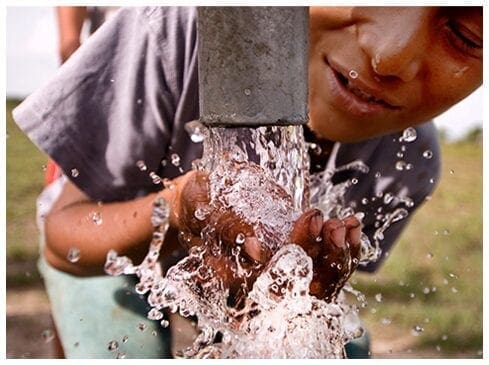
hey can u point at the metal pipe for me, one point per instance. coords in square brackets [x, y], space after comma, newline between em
[253, 65]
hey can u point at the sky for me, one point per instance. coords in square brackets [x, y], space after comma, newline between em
[32, 60]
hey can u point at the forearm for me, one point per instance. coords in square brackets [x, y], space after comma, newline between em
[94, 229]
[70, 23]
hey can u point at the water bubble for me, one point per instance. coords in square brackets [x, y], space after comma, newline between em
[240, 238]
[141, 165]
[388, 197]
[164, 323]
[96, 218]
[400, 165]
[195, 129]
[73, 255]
[125, 338]
[353, 74]
[175, 159]
[155, 178]
[378, 297]
[409, 135]
[247, 92]
[428, 154]
[47, 335]
[354, 181]
[417, 330]
[155, 314]
[113, 345]
[141, 326]
[74, 172]
[121, 355]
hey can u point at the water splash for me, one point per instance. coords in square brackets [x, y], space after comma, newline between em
[276, 317]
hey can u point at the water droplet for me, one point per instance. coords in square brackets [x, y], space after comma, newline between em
[74, 172]
[430, 255]
[452, 172]
[139, 101]
[247, 92]
[167, 183]
[121, 355]
[412, 295]
[112, 80]
[409, 166]
[164, 323]
[400, 165]
[378, 297]
[452, 275]
[125, 338]
[388, 197]
[201, 213]
[155, 178]
[409, 135]
[446, 232]
[44, 167]
[141, 326]
[96, 218]
[444, 337]
[315, 148]
[400, 154]
[428, 154]
[353, 74]
[454, 290]
[386, 321]
[195, 129]
[377, 175]
[426, 290]
[432, 181]
[175, 159]
[417, 330]
[113, 345]
[141, 165]
[47, 335]
[354, 181]
[364, 201]
[73, 255]
[438, 348]
[240, 238]
[155, 314]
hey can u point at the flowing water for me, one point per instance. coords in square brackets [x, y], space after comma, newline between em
[261, 175]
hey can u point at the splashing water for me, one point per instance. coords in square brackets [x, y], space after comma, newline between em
[276, 317]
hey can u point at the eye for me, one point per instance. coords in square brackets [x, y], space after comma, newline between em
[463, 39]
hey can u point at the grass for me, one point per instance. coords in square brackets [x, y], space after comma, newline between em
[441, 251]
[433, 277]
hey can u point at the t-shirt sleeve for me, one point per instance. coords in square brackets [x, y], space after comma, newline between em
[110, 108]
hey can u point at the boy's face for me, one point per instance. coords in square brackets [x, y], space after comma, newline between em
[376, 70]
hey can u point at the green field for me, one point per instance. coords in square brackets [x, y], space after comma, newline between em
[432, 279]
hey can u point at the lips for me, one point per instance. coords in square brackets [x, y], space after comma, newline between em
[354, 96]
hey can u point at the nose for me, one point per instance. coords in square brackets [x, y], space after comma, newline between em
[395, 40]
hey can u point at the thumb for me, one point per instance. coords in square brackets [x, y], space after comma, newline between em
[307, 228]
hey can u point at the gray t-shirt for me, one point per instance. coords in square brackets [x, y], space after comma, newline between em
[122, 100]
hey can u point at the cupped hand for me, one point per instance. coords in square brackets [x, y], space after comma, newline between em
[333, 245]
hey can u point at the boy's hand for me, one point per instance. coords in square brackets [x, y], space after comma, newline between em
[333, 245]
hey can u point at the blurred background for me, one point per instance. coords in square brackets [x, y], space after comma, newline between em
[426, 301]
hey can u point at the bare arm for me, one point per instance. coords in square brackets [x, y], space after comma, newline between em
[123, 226]
[70, 22]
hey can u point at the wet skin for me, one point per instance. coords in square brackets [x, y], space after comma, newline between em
[333, 245]
[414, 62]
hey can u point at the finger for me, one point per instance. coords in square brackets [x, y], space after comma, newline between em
[306, 231]
[194, 195]
[334, 231]
[353, 235]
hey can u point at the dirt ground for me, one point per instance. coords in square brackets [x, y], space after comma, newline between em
[29, 329]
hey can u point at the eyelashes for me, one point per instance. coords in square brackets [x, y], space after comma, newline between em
[462, 39]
